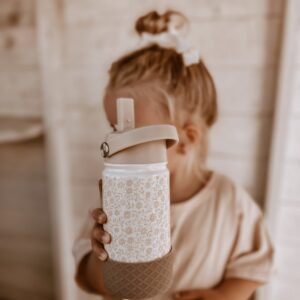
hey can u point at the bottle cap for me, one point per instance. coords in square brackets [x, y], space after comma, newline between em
[130, 145]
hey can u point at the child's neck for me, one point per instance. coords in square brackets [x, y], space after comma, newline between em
[185, 187]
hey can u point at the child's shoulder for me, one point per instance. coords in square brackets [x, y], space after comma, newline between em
[234, 195]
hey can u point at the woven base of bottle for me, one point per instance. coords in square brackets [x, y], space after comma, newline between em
[138, 280]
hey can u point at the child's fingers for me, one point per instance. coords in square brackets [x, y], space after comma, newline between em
[99, 250]
[99, 234]
[198, 294]
[99, 215]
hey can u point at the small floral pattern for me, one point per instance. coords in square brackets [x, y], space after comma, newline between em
[138, 212]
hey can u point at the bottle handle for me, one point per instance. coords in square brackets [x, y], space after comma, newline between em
[120, 141]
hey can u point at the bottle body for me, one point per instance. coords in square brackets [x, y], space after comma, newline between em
[136, 199]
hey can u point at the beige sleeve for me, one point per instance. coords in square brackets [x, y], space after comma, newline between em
[252, 254]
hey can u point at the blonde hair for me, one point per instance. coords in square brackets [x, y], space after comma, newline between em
[186, 93]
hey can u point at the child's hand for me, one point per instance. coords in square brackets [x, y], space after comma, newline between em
[98, 235]
[199, 295]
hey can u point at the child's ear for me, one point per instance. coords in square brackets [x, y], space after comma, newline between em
[192, 132]
[189, 134]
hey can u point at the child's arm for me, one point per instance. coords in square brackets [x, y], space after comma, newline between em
[89, 276]
[229, 289]
[238, 289]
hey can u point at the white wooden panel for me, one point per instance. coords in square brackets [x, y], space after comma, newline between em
[17, 48]
[221, 42]
[224, 9]
[289, 223]
[245, 91]
[298, 45]
[238, 42]
[85, 197]
[293, 146]
[241, 136]
[86, 165]
[84, 87]
[87, 12]
[89, 46]
[20, 92]
[291, 181]
[284, 290]
[296, 93]
[87, 129]
[287, 256]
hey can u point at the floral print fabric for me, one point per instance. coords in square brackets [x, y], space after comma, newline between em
[138, 211]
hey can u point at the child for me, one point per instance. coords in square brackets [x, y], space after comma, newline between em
[221, 247]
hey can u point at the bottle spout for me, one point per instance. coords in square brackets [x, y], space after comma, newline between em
[125, 114]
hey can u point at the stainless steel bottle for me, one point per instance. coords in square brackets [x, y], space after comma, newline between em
[136, 199]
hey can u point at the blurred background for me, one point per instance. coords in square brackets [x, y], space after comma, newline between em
[54, 58]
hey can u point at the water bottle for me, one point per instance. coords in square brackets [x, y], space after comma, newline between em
[136, 199]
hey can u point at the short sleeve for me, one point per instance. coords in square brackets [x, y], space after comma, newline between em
[252, 254]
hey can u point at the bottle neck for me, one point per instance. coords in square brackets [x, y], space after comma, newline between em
[136, 168]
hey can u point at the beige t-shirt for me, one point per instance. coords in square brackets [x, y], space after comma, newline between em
[218, 233]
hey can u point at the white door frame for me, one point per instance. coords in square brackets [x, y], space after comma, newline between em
[49, 43]
[282, 112]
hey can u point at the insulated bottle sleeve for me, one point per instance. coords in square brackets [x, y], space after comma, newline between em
[138, 280]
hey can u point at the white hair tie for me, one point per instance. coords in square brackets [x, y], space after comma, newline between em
[164, 39]
[191, 56]
[172, 39]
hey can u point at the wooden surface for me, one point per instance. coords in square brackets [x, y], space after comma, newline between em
[25, 246]
[19, 129]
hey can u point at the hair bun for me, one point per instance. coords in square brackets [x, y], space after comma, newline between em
[154, 23]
